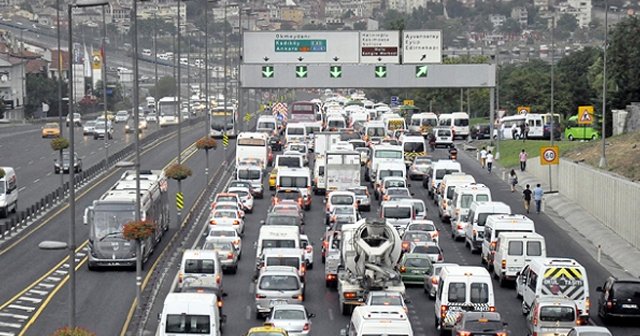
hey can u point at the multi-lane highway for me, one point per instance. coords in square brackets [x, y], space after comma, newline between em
[324, 302]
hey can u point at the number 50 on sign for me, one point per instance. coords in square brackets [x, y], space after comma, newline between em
[549, 155]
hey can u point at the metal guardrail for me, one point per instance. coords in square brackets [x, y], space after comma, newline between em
[59, 195]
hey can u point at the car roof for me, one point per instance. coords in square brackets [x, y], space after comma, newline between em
[416, 256]
[488, 315]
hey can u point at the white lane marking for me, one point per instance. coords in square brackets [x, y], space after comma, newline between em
[42, 158]
[92, 153]
[39, 292]
[27, 309]
[53, 279]
[16, 316]
[21, 189]
[331, 314]
[29, 163]
[29, 299]
[36, 181]
[46, 285]
[10, 325]
[61, 272]
[49, 174]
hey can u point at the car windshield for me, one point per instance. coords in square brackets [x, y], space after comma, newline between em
[397, 212]
[422, 161]
[341, 199]
[440, 173]
[376, 131]
[385, 300]
[418, 205]
[398, 191]
[281, 220]
[241, 193]
[109, 222]
[51, 125]
[417, 236]
[243, 184]
[249, 174]
[461, 122]
[388, 154]
[557, 314]
[188, 324]
[225, 214]
[217, 246]
[394, 183]
[276, 243]
[414, 147]
[288, 195]
[422, 227]
[293, 181]
[226, 198]
[90, 123]
[418, 262]
[295, 131]
[291, 162]
[283, 261]
[626, 290]
[289, 314]
[387, 173]
[200, 266]
[279, 282]
[359, 191]
[222, 233]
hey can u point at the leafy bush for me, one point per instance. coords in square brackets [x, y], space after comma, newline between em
[59, 144]
[2, 173]
[178, 172]
[138, 230]
[206, 143]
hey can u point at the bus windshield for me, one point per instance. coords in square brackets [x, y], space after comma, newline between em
[375, 131]
[251, 142]
[109, 222]
[168, 109]
[414, 147]
[388, 154]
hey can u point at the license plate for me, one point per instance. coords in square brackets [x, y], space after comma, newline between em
[277, 302]
[629, 306]
[416, 272]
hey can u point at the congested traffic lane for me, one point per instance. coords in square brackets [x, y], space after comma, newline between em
[33, 159]
[95, 289]
[559, 242]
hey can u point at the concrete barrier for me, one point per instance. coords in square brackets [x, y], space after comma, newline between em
[611, 199]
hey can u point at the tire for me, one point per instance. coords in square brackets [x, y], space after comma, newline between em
[525, 310]
[345, 309]
[593, 137]
[570, 137]
[310, 266]
[502, 281]
[234, 270]
[15, 207]
[258, 315]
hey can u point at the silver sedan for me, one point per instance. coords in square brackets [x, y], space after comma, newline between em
[291, 317]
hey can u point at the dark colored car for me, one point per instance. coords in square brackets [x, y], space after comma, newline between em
[619, 298]
[480, 323]
[77, 164]
[275, 142]
[284, 219]
[481, 131]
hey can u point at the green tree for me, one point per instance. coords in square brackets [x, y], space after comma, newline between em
[114, 98]
[511, 26]
[42, 89]
[575, 79]
[526, 84]
[566, 25]
[360, 25]
[166, 88]
[623, 54]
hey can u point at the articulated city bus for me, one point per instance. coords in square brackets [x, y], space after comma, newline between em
[223, 120]
[168, 110]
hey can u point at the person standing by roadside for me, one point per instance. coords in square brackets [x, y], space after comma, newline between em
[483, 157]
[513, 180]
[538, 192]
[523, 160]
[489, 161]
[526, 196]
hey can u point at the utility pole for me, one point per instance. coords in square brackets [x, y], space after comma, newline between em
[104, 85]
[603, 156]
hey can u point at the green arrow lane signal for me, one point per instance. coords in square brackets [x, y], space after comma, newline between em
[335, 71]
[381, 71]
[421, 71]
[301, 71]
[267, 71]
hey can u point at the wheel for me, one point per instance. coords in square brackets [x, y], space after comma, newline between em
[234, 270]
[15, 207]
[258, 315]
[345, 309]
[502, 281]
[593, 137]
[310, 266]
[525, 309]
[570, 137]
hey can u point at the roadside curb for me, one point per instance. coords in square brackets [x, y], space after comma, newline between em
[605, 246]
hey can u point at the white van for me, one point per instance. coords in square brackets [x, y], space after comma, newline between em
[298, 178]
[423, 122]
[439, 169]
[277, 236]
[458, 208]
[382, 153]
[399, 214]
[460, 124]
[374, 131]
[447, 189]
[413, 146]
[554, 277]
[267, 124]
[496, 224]
[378, 320]
[296, 132]
[462, 288]
[513, 251]
[252, 174]
[200, 264]
[8, 191]
[190, 313]
[476, 220]
[388, 169]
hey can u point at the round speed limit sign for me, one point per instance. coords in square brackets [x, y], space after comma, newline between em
[549, 155]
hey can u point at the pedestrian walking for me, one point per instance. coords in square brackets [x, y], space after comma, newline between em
[489, 161]
[513, 180]
[537, 196]
[483, 157]
[523, 160]
[526, 196]
[526, 132]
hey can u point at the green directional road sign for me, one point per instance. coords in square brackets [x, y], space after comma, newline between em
[421, 71]
[267, 71]
[335, 71]
[381, 71]
[301, 71]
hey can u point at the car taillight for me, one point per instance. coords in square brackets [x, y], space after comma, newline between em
[459, 226]
[331, 277]
[405, 246]
[463, 333]
[218, 279]
[298, 297]
[213, 222]
[435, 234]
[220, 303]
[236, 242]
[403, 269]
[180, 276]
[259, 296]
[492, 246]
[440, 257]
[229, 255]
[300, 201]
[501, 333]
[235, 222]
[434, 280]
[504, 263]
[302, 269]
[609, 304]
[305, 327]
[492, 308]
[443, 311]
[349, 295]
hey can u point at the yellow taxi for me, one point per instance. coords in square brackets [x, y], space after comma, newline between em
[110, 116]
[272, 178]
[50, 130]
[268, 329]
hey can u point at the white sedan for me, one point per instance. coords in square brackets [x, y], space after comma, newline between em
[224, 233]
[305, 243]
[228, 218]
[245, 197]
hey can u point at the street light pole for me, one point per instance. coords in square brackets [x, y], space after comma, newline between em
[72, 192]
[553, 47]
[60, 125]
[155, 56]
[603, 157]
[104, 86]
[179, 108]
[224, 30]
[238, 84]
[206, 76]
[189, 93]
[136, 121]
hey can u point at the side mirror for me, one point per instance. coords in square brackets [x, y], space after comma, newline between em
[311, 315]
[224, 294]
[159, 316]
[407, 301]
[262, 222]
[223, 318]
[85, 217]
[204, 234]
[413, 194]
[599, 289]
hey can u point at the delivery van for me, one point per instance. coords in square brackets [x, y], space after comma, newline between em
[189, 314]
[497, 224]
[513, 251]
[8, 191]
